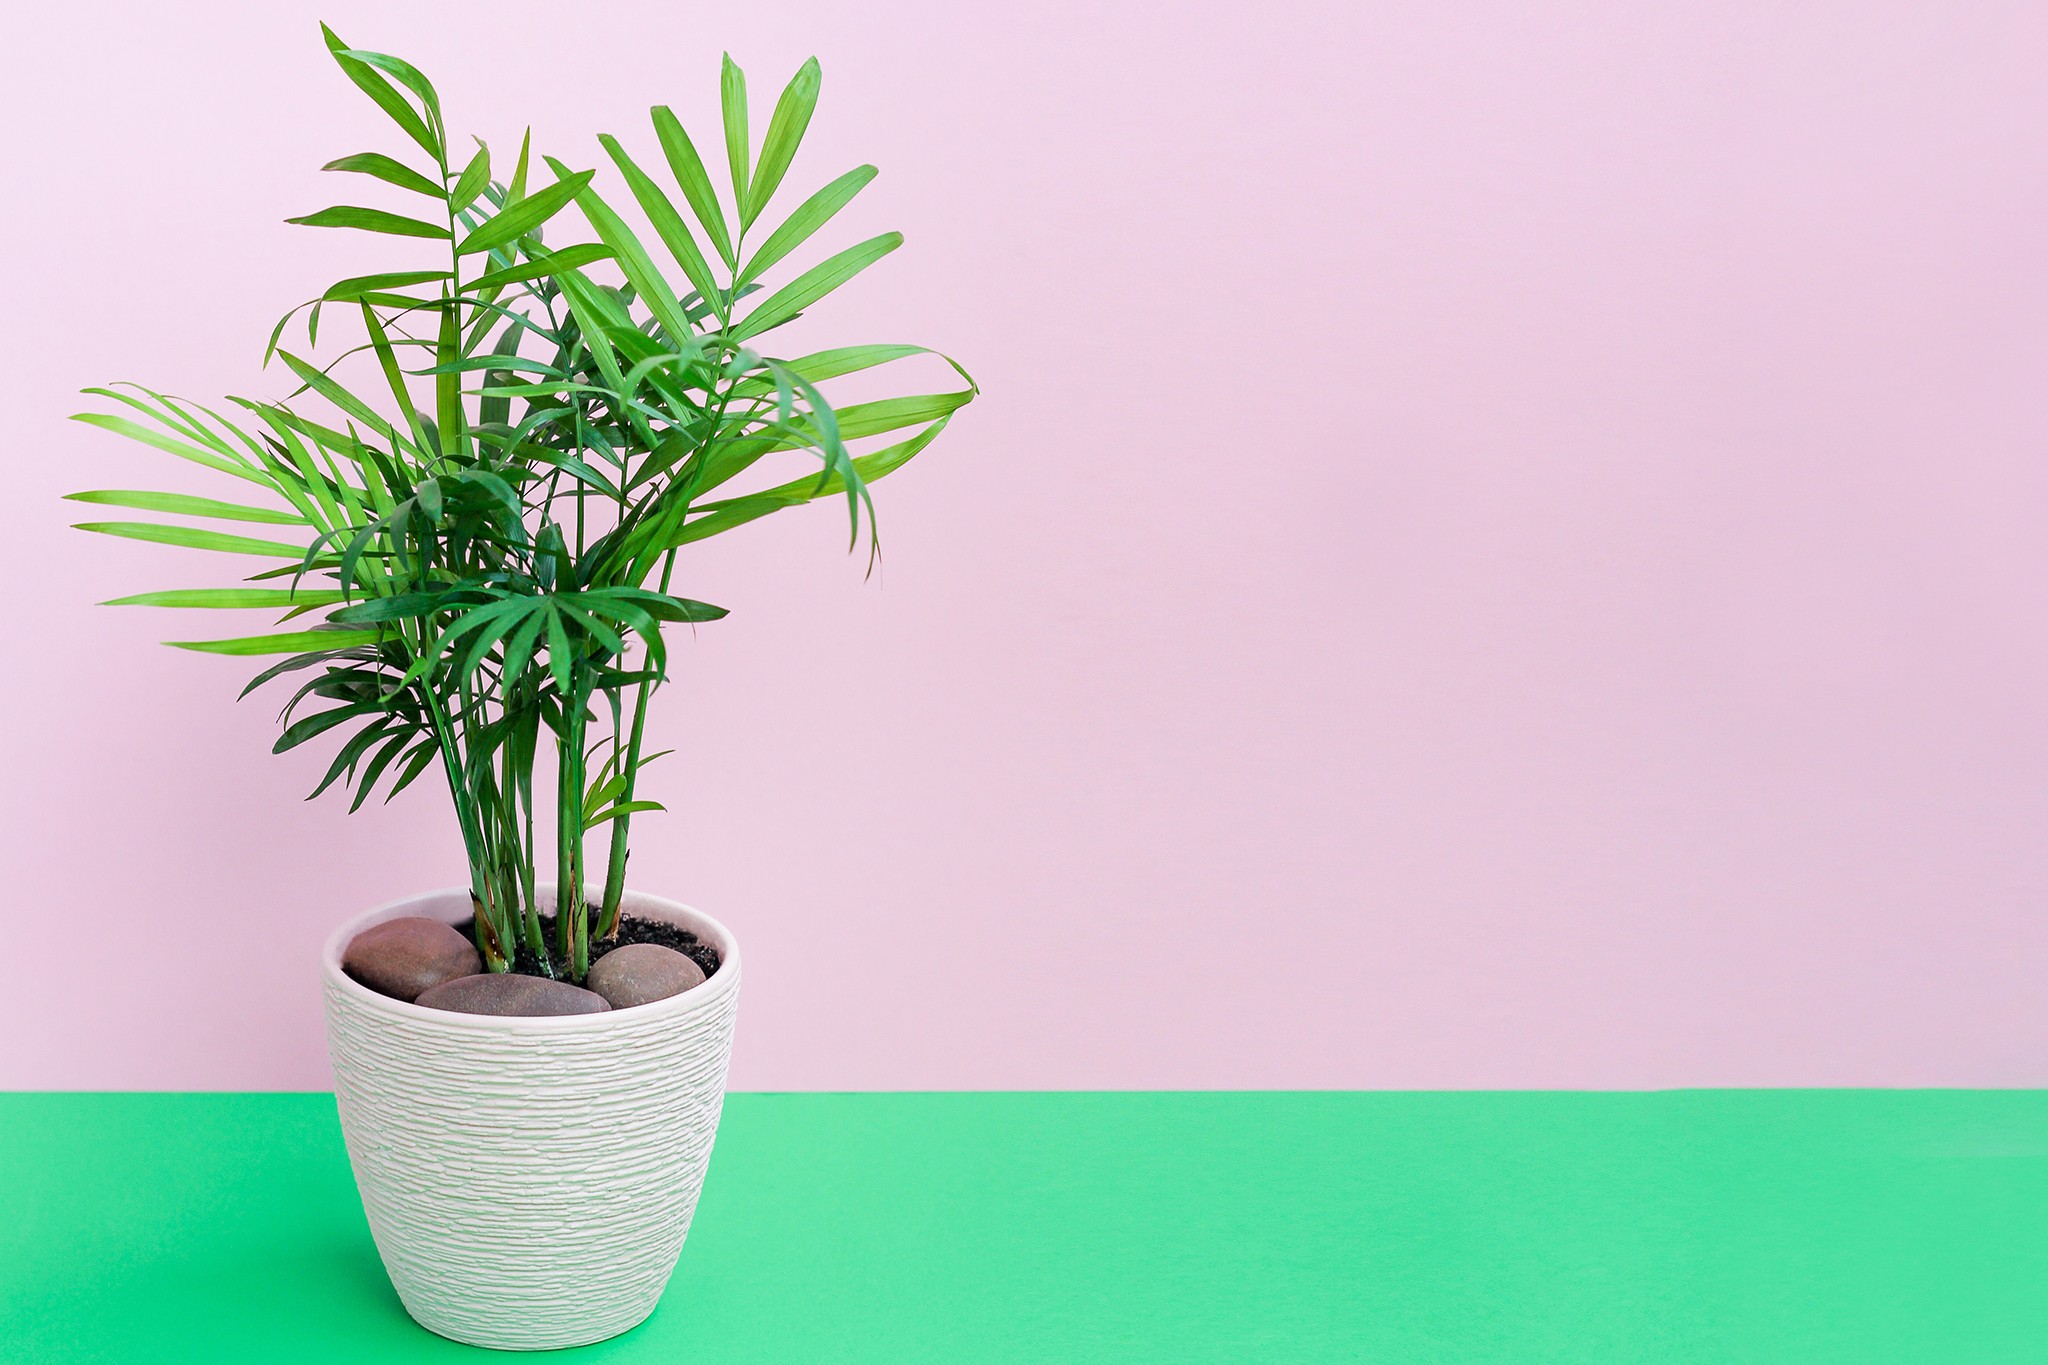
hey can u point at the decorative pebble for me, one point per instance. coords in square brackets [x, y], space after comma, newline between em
[641, 973]
[403, 957]
[511, 993]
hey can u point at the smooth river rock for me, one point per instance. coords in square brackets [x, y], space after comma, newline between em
[402, 957]
[641, 973]
[511, 993]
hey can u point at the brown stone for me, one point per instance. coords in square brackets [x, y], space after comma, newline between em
[641, 973]
[511, 993]
[402, 957]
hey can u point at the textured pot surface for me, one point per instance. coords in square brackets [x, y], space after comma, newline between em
[529, 1181]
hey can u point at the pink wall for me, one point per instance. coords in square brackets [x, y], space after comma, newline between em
[1504, 547]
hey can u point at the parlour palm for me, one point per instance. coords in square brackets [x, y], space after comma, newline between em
[467, 518]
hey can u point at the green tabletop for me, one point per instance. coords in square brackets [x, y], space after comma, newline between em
[1795, 1226]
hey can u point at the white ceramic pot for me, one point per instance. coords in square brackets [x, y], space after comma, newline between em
[529, 1181]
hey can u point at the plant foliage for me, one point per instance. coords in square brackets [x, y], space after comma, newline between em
[472, 512]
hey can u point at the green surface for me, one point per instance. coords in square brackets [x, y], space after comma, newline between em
[1689, 1226]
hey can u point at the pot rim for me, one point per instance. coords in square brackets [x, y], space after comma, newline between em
[433, 904]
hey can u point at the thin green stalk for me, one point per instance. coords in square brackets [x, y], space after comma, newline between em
[518, 754]
[572, 911]
[487, 943]
[615, 858]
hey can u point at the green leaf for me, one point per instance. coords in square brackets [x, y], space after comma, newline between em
[474, 177]
[193, 538]
[723, 516]
[520, 644]
[493, 487]
[388, 170]
[387, 361]
[404, 605]
[544, 263]
[785, 130]
[668, 224]
[352, 752]
[135, 431]
[344, 400]
[622, 809]
[810, 215]
[370, 220]
[516, 191]
[408, 75]
[892, 414]
[604, 789]
[428, 493]
[294, 664]
[569, 464]
[819, 366]
[667, 608]
[292, 642]
[691, 177]
[814, 284]
[349, 290]
[593, 308]
[377, 88]
[523, 217]
[491, 623]
[274, 598]
[450, 417]
[376, 766]
[732, 100]
[182, 422]
[299, 732]
[560, 658]
[181, 504]
[421, 756]
[593, 627]
[639, 270]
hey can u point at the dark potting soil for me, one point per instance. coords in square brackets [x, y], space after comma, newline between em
[632, 929]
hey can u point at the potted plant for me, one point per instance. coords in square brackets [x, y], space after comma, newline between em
[471, 520]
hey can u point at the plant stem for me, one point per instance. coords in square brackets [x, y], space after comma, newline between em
[488, 942]
[572, 910]
[615, 860]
